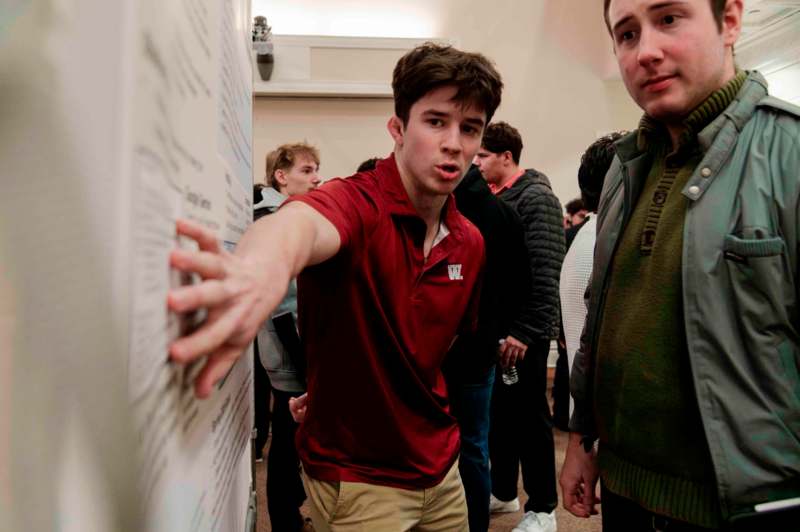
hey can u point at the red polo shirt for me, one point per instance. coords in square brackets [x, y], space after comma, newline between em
[376, 322]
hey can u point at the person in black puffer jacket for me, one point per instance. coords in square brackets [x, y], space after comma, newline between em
[521, 430]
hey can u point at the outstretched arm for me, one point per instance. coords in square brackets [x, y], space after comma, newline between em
[239, 290]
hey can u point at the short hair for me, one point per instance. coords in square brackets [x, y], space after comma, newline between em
[717, 8]
[284, 158]
[500, 137]
[368, 165]
[430, 66]
[575, 206]
[595, 162]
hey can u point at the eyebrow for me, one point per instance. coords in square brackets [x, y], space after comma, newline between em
[654, 7]
[441, 114]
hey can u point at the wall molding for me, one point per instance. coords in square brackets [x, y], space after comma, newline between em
[771, 48]
[293, 76]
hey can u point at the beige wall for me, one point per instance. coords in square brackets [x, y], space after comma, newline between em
[346, 131]
[553, 55]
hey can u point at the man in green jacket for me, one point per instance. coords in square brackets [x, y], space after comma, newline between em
[688, 369]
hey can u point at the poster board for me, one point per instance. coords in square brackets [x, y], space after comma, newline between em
[189, 155]
[126, 116]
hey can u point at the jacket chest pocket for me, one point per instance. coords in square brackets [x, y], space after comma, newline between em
[761, 280]
[742, 250]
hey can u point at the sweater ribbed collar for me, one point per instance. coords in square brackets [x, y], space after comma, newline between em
[651, 129]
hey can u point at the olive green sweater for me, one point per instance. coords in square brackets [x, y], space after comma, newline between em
[653, 448]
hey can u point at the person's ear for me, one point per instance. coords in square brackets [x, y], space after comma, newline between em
[395, 127]
[508, 160]
[280, 178]
[732, 21]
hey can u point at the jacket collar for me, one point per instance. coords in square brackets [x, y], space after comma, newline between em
[399, 204]
[716, 141]
[530, 177]
[270, 198]
[738, 111]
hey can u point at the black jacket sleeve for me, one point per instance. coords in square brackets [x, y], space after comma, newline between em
[540, 213]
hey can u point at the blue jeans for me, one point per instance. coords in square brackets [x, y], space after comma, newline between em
[471, 405]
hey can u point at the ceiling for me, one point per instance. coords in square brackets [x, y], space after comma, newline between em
[770, 43]
[763, 15]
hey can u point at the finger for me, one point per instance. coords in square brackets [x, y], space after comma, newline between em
[588, 498]
[512, 358]
[572, 497]
[501, 355]
[297, 407]
[579, 508]
[572, 505]
[206, 239]
[205, 340]
[568, 499]
[207, 265]
[204, 295]
[299, 415]
[216, 367]
[504, 348]
[521, 356]
[295, 404]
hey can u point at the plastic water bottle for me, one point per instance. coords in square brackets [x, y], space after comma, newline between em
[509, 375]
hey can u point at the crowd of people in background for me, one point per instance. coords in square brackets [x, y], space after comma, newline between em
[407, 361]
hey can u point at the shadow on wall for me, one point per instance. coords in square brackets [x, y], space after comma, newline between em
[566, 19]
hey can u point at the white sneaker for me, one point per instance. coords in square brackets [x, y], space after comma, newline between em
[537, 522]
[496, 506]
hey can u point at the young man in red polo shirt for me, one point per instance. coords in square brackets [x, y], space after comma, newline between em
[390, 275]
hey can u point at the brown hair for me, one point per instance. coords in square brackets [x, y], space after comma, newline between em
[500, 137]
[430, 66]
[717, 8]
[284, 158]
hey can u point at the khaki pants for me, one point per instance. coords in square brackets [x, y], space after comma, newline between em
[356, 506]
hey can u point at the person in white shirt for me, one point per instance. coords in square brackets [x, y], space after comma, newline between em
[577, 266]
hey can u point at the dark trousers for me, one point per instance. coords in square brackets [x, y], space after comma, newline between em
[561, 389]
[521, 434]
[620, 513]
[623, 514]
[285, 492]
[261, 389]
[470, 405]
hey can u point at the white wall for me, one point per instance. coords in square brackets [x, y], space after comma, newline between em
[553, 55]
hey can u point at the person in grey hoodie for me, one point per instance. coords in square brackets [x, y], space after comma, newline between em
[291, 169]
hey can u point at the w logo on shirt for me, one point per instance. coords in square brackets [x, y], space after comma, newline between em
[454, 271]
